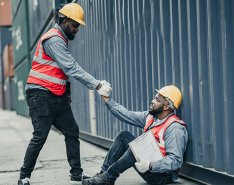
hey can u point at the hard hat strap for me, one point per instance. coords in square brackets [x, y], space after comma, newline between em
[61, 15]
[171, 104]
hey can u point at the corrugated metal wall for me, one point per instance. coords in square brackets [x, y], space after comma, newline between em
[40, 12]
[141, 45]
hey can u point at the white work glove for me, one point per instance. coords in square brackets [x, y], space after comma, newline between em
[103, 82]
[105, 89]
[142, 166]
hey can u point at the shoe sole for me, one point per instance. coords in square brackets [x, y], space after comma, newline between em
[86, 182]
[76, 183]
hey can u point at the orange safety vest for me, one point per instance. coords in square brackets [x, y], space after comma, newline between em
[159, 130]
[45, 71]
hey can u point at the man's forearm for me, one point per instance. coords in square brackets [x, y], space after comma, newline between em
[124, 115]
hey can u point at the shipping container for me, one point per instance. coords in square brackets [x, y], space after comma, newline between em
[5, 13]
[20, 33]
[5, 39]
[8, 94]
[29, 21]
[13, 93]
[138, 46]
[15, 7]
[8, 73]
[1, 82]
[40, 12]
[21, 75]
[8, 65]
[1, 96]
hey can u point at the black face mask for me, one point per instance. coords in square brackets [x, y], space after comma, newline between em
[156, 112]
[68, 33]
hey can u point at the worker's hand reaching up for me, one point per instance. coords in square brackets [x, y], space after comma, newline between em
[104, 88]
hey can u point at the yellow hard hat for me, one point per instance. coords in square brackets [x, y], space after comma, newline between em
[171, 93]
[73, 11]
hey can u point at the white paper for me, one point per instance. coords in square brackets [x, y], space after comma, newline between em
[146, 147]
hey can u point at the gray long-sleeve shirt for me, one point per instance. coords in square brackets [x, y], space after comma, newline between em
[176, 137]
[57, 49]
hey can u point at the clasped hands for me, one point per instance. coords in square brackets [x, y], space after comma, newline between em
[105, 89]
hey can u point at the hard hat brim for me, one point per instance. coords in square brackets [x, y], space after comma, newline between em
[159, 93]
[77, 20]
[157, 90]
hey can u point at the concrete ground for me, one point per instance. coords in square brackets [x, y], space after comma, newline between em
[52, 167]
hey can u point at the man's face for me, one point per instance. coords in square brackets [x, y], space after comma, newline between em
[157, 105]
[71, 28]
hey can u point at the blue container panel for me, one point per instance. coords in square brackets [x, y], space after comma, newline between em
[40, 13]
[138, 46]
[227, 67]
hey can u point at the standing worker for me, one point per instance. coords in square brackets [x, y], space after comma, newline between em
[169, 131]
[47, 93]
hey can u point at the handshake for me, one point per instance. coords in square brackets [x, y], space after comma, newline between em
[104, 88]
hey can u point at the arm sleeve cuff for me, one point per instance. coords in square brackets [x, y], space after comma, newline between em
[110, 102]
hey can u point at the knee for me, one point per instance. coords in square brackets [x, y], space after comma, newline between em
[71, 134]
[39, 137]
[124, 134]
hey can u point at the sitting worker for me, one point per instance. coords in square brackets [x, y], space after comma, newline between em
[169, 131]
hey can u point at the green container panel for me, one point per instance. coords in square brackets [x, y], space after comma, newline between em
[14, 6]
[21, 75]
[20, 34]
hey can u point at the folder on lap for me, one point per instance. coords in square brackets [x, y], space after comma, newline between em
[146, 147]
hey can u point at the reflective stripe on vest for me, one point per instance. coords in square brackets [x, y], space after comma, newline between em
[47, 77]
[159, 130]
[45, 71]
[47, 62]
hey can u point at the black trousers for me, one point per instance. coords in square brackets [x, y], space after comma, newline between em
[45, 110]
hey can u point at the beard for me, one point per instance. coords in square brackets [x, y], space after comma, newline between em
[156, 112]
[68, 33]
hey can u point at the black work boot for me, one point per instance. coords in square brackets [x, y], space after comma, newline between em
[77, 180]
[100, 179]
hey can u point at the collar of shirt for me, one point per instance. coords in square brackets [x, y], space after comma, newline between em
[60, 29]
[158, 121]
